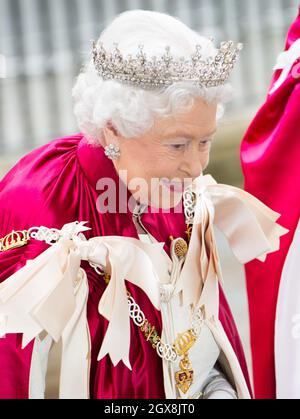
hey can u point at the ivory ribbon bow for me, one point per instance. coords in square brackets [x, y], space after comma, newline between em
[285, 61]
[249, 225]
[50, 293]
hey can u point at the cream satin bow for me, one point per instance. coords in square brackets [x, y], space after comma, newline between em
[249, 225]
[285, 61]
[50, 293]
[138, 262]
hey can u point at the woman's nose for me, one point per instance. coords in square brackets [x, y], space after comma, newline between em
[194, 163]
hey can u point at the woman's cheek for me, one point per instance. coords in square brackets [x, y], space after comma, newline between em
[206, 161]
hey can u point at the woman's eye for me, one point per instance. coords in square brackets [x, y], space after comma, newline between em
[206, 142]
[177, 146]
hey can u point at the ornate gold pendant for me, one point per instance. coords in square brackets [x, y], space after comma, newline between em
[184, 377]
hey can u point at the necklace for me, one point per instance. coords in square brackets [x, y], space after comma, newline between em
[184, 341]
[180, 347]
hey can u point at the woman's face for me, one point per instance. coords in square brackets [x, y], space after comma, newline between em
[176, 148]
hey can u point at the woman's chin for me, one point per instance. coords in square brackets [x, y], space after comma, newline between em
[160, 197]
[166, 200]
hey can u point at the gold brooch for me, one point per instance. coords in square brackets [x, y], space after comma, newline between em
[180, 246]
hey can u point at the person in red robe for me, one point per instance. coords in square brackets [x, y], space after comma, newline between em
[73, 287]
[270, 154]
[51, 186]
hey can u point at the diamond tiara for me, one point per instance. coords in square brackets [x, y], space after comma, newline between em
[159, 72]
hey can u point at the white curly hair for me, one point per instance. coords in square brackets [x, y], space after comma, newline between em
[130, 109]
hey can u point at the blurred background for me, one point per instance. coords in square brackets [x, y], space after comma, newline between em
[43, 44]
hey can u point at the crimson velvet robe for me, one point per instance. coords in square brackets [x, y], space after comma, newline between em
[57, 184]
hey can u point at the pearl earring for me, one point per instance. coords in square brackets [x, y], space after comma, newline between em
[112, 151]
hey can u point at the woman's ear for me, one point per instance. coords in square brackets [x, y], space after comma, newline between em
[110, 134]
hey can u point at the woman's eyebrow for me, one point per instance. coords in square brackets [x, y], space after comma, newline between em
[188, 136]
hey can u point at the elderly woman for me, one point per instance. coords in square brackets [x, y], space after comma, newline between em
[135, 301]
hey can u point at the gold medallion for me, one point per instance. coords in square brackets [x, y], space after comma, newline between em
[184, 377]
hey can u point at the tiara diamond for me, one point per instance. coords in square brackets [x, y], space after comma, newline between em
[162, 71]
